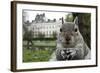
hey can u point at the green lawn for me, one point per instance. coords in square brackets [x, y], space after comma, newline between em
[30, 55]
[36, 55]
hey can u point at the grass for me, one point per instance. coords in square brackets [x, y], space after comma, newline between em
[36, 55]
[40, 55]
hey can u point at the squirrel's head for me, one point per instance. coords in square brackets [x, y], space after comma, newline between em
[68, 33]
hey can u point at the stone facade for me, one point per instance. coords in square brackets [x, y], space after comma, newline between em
[42, 25]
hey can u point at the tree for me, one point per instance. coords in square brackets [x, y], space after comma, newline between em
[69, 18]
[54, 34]
[41, 35]
[28, 36]
[54, 20]
[48, 20]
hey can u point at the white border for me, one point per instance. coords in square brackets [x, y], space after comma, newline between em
[21, 65]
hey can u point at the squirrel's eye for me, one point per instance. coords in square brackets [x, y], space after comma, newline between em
[60, 30]
[75, 30]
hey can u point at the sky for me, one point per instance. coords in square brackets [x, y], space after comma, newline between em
[30, 15]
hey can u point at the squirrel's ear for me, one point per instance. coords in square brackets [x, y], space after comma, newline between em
[76, 20]
[62, 20]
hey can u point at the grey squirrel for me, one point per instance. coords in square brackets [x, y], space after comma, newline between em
[70, 44]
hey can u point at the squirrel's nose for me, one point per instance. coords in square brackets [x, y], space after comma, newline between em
[68, 38]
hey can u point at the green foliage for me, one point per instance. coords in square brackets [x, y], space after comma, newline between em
[69, 18]
[54, 34]
[87, 28]
[41, 35]
[54, 20]
[28, 35]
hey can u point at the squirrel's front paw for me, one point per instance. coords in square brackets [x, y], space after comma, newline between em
[68, 54]
[72, 54]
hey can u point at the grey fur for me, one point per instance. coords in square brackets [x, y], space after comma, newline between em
[70, 44]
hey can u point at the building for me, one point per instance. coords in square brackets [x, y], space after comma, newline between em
[42, 26]
[47, 29]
